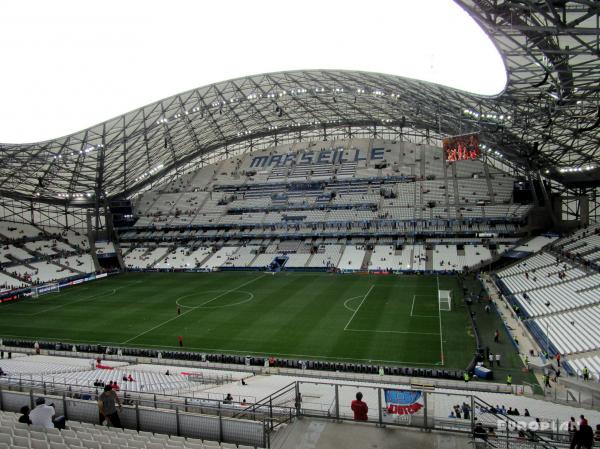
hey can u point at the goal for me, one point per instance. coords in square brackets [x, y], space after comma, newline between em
[43, 289]
[445, 300]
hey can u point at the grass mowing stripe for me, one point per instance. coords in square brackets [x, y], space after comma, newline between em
[361, 303]
[191, 310]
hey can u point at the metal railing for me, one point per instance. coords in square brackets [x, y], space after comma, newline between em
[214, 423]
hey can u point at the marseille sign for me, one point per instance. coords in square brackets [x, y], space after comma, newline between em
[330, 156]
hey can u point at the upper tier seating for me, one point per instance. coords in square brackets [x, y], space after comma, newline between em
[359, 182]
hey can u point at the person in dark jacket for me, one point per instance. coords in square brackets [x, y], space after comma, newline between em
[583, 438]
[479, 432]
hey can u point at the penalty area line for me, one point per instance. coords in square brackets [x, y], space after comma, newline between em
[361, 303]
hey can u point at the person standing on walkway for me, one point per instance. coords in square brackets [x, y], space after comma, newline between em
[359, 407]
[107, 406]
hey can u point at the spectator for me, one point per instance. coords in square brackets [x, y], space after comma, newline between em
[479, 432]
[466, 410]
[359, 408]
[108, 408]
[526, 413]
[130, 378]
[43, 415]
[583, 438]
[24, 418]
[228, 399]
[491, 432]
[597, 433]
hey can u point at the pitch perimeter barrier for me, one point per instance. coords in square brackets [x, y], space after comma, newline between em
[255, 365]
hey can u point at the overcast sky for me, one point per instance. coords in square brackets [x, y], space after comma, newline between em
[67, 65]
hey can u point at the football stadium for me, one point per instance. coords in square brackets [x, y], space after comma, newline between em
[317, 258]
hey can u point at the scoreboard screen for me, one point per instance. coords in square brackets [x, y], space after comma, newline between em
[461, 148]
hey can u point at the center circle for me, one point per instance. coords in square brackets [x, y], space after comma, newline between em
[209, 299]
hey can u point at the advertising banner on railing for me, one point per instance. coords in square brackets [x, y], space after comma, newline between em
[403, 402]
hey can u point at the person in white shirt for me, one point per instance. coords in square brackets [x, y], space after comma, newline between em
[43, 416]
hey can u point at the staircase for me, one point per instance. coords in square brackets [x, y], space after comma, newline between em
[429, 262]
[163, 257]
[119, 256]
[365, 263]
[490, 185]
[92, 243]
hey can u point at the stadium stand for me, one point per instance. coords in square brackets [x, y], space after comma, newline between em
[295, 201]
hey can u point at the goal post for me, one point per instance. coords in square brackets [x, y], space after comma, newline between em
[39, 290]
[445, 300]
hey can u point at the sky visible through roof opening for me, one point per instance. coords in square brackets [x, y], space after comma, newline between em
[68, 65]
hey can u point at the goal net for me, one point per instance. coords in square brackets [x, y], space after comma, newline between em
[445, 300]
[43, 289]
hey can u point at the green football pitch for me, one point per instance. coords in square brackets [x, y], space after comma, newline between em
[350, 318]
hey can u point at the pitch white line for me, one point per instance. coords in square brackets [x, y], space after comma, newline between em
[361, 303]
[191, 310]
[413, 305]
[390, 332]
[348, 300]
